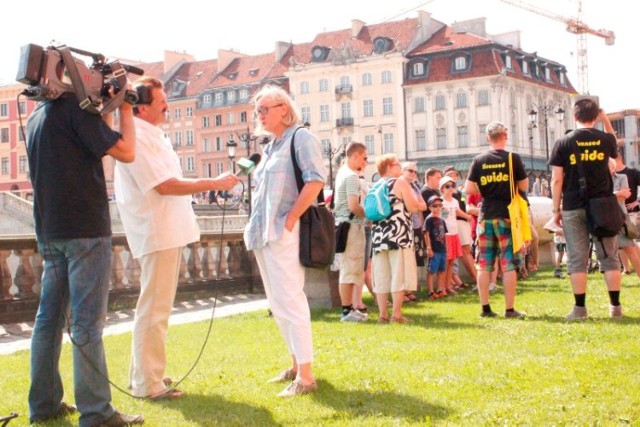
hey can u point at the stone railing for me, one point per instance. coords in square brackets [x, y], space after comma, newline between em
[218, 261]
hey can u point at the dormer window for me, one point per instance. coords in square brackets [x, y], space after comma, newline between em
[319, 53]
[206, 99]
[507, 62]
[525, 67]
[253, 72]
[418, 69]
[561, 76]
[382, 45]
[233, 76]
[547, 73]
[461, 62]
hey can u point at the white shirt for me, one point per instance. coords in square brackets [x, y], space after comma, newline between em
[153, 222]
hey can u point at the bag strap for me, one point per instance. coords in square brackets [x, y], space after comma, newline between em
[512, 181]
[298, 172]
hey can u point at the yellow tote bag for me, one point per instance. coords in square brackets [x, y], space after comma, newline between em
[518, 214]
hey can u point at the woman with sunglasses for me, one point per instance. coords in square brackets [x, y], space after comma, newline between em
[394, 262]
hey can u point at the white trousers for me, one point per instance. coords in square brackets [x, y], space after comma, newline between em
[158, 284]
[283, 280]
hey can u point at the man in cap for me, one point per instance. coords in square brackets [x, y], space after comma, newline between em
[489, 176]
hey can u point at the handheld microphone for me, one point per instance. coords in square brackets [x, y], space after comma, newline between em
[246, 166]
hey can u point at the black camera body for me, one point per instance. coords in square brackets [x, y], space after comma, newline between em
[53, 71]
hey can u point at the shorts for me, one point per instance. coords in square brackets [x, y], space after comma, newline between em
[464, 231]
[438, 262]
[561, 247]
[352, 260]
[454, 249]
[395, 271]
[494, 241]
[576, 234]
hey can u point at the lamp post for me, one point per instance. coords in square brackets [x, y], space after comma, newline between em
[330, 153]
[545, 109]
[231, 151]
[247, 138]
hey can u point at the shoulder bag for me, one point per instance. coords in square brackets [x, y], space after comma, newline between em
[518, 213]
[317, 226]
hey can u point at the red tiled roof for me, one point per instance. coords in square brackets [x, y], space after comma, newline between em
[445, 40]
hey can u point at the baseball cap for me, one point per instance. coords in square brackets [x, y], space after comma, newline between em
[444, 180]
[496, 128]
[433, 199]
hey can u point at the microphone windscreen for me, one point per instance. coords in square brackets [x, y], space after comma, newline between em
[255, 158]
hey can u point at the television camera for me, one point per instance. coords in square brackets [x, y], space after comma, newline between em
[53, 71]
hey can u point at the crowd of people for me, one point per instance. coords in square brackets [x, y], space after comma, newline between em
[442, 225]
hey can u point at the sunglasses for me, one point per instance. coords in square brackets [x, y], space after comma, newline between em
[449, 186]
[411, 170]
[438, 205]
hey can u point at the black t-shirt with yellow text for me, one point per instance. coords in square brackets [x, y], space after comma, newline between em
[592, 148]
[490, 171]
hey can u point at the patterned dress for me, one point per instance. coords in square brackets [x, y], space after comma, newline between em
[396, 232]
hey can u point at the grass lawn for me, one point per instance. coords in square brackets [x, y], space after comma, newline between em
[448, 367]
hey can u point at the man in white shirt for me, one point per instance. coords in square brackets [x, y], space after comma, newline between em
[154, 202]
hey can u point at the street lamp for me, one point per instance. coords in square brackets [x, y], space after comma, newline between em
[247, 138]
[231, 151]
[330, 153]
[545, 109]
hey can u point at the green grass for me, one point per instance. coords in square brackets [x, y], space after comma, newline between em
[448, 367]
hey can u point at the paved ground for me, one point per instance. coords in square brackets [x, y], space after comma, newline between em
[17, 336]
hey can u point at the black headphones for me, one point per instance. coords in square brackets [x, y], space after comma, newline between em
[144, 95]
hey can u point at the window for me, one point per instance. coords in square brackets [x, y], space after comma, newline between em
[345, 81]
[418, 69]
[441, 138]
[188, 112]
[243, 117]
[305, 114]
[418, 104]
[5, 166]
[21, 135]
[177, 113]
[231, 97]
[206, 99]
[218, 118]
[386, 77]
[421, 140]
[218, 143]
[22, 107]
[218, 98]
[370, 142]
[177, 138]
[205, 122]
[387, 106]
[346, 110]
[388, 143]
[483, 129]
[219, 168]
[507, 62]
[206, 145]
[23, 164]
[562, 79]
[367, 80]
[463, 136]
[323, 85]
[189, 134]
[304, 87]
[460, 63]
[483, 97]
[191, 164]
[324, 113]
[440, 103]
[367, 107]
[231, 119]
[244, 94]
[525, 67]
[461, 100]
[326, 147]
[206, 170]
[4, 110]
[346, 141]
[4, 135]
[547, 73]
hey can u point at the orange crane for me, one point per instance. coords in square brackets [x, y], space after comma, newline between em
[574, 26]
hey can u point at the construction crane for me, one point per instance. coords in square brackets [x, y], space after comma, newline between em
[574, 26]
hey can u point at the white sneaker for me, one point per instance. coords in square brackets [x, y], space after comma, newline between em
[492, 287]
[615, 311]
[353, 316]
[578, 313]
[365, 316]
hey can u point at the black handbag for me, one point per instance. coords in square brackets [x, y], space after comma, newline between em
[342, 235]
[317, 226]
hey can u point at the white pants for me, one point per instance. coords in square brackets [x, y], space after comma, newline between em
[158, 284]
[283, 280]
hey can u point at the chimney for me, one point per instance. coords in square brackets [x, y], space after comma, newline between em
[281, 50]
[356, 27]
[226, 57]
[171, 59]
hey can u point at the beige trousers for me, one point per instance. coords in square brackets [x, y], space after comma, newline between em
[158, 284]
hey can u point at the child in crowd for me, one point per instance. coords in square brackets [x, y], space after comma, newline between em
[435, 231]
[450, 212]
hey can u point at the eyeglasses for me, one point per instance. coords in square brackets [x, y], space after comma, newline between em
[265, 110]
[436, 205]
[448, 186]
[411, 170]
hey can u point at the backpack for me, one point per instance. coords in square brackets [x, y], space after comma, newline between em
[377, 205]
